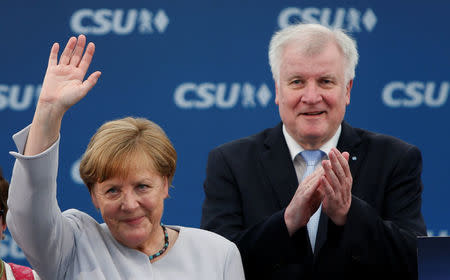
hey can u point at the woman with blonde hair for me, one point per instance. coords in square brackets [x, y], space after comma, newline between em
[128, 167]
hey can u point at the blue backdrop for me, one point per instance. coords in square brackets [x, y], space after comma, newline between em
[200, 70]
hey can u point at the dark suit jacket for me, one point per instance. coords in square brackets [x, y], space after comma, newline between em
[250, 181]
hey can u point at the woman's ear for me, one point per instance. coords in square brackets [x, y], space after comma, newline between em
[166, 186]
[94, 197]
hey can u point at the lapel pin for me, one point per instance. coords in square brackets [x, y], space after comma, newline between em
[353, 157]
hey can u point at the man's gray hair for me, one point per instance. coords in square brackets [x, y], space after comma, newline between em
[312, 38]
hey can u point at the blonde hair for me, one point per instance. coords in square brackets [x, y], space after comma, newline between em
[121, 144]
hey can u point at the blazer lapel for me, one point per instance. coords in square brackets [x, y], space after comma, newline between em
[350, 142]
[278, 166]
[321, 233]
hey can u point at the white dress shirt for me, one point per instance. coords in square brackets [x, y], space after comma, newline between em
[300, 167]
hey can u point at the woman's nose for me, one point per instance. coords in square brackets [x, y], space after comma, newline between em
[130, 201]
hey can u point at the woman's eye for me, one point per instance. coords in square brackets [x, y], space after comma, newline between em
[111, 191]
[142, 187]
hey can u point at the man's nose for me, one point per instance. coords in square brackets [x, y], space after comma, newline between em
[311, 94]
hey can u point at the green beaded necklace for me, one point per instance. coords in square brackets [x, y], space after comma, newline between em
[166, 244]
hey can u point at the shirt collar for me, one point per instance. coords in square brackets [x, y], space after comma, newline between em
[295, 148]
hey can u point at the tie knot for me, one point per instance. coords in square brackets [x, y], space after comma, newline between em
[312, 156]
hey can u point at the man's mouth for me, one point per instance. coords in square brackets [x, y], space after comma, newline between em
[313, 113]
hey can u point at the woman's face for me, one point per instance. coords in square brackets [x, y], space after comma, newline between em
[132, 206]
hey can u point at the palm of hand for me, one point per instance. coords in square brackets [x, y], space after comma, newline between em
[63, 83]
[63, 86]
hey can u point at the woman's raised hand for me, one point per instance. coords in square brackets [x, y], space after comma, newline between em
[62, 88]
[63, 82]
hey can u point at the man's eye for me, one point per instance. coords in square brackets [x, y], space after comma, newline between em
[326, 81]
[297, 83]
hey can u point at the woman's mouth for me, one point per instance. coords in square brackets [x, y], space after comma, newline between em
[133, 221]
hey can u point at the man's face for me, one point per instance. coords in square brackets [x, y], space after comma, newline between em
[312, 94]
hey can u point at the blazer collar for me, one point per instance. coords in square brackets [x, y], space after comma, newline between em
[350, 141]
[278, 166]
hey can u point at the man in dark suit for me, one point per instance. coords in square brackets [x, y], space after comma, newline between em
[356, 216]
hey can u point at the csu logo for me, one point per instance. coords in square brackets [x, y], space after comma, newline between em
[221, 95]
[414, 94]
[17, 97]
[351, 19]
[118, 21]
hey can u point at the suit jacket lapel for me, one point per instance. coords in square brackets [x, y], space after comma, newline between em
[321, 233]
[278, 166]
[349, 142]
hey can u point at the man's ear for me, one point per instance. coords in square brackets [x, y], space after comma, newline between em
[348, 90]
[276, 94]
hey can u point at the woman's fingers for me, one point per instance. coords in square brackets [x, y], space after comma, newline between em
[53, 58]
[87, 57]
[78, 52]
[68, 50]
[91, 81]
